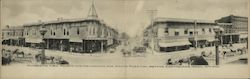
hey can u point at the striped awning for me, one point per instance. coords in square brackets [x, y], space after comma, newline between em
[171, 44]
[75, 40]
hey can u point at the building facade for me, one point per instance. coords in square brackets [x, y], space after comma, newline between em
[85, 35]
[236, 29]
[13, 35]
[172, 34]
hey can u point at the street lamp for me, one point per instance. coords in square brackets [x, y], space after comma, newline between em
[43, 32]
[218, 30]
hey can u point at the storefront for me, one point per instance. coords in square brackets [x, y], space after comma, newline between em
[33, 42]
[174, 46]
[243, 38]
[57, 44]
[91, 46]
[76, 45]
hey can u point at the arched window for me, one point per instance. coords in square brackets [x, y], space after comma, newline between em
[64, 31]
[51, 33]
[78, 32]
[93, 30]
[186, 31]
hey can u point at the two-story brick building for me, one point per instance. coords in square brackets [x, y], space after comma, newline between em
[89, 34]
[173, 34]
[237, 28]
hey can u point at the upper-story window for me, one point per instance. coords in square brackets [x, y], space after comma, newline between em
[190, 33]
[166, 30]
[176, 33]
[186, 31]
[13, 33]
[64, 31]
[27, 33]
[210, 30]
[67, 32]
[51, 33]
[78, 31]
[35, 32]
[54, 33]
[196, 32]
[203, 30]
[93, 30]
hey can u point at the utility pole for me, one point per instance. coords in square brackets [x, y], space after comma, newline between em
[152, 13]
[195, 33]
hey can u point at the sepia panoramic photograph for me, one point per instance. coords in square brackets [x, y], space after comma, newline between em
[123, 33]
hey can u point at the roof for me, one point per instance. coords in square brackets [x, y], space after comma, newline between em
[182, 20]
[235, 16]
[63, 21]
[229, 19]
[226, 24]
[14, 28]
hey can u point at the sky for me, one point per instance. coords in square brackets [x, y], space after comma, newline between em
[130, 16]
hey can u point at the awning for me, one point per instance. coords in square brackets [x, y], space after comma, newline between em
[95, 38]
[244, 36]
[75, 40]
[5, 39]
[33, 40]
[210, 39]
[161, 44]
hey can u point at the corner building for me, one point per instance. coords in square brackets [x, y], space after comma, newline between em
[174, 34]
[86, 35]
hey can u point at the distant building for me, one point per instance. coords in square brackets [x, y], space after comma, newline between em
[173, 34]
[236, 28]
[13, 35]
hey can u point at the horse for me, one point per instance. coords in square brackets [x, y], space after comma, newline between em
[18, 53]
[38, 57]
[242, 50]
[49, 58]
[184, 60]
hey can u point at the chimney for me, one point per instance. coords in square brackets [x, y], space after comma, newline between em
[7, 26]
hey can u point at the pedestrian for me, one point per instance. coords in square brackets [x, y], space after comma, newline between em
[224, 54]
